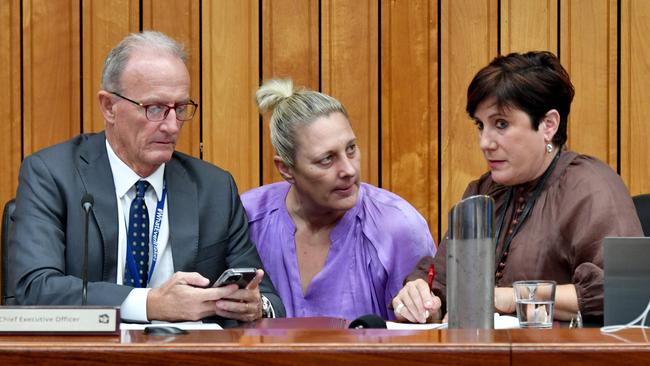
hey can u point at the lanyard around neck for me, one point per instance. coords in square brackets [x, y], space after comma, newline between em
[539, 186]
[155, 232]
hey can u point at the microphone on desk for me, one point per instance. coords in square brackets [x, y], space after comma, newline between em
[368, 321]
[87, 204]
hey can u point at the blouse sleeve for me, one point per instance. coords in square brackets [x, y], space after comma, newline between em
[412, 240]
[439, 261]
[588, 279]
[597, 205]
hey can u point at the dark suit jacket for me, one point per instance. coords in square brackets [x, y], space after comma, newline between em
[208, 227]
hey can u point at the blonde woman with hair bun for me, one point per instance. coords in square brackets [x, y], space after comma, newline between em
[332, 245]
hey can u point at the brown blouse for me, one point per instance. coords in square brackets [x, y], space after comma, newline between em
[583, 201]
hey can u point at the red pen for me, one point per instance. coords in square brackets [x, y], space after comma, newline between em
[432, 275]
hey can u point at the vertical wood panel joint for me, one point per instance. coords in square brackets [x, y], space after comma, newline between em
[379, 101]
[22, 82]
[260, 67]
[499, 31]
[320, 46]
[559, 29]
[439, 115]
[618, 89]
[201, 79]
[81, 68]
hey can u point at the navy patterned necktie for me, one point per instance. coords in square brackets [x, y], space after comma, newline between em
[137, 243]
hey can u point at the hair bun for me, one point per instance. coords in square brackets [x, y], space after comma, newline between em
[272, 92]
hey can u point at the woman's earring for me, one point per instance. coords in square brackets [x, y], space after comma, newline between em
[549, 148]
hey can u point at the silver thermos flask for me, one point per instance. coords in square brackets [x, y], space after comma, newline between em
[470, 264]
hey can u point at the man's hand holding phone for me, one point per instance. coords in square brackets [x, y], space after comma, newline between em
[186, 296]
[244, 304]
[239, 276]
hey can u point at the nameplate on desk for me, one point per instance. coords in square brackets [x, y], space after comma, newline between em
[59, 319]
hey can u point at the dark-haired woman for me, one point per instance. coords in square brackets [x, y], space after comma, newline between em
[553, 206]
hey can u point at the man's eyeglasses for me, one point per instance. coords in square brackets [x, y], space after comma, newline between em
[158, 112]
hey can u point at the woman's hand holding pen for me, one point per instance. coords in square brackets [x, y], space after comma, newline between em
[416, 304]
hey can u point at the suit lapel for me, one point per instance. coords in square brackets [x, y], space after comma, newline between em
[182, 198]
[95, 171]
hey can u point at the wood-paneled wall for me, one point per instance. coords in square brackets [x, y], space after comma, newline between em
[401, 67]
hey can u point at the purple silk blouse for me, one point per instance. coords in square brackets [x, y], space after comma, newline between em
[374, 247]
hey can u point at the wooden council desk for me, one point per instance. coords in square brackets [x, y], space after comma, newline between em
[324, 342]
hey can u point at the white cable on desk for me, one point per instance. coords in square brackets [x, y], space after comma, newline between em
[631, 325]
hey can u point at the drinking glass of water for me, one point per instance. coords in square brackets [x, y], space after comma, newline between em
[535, 301]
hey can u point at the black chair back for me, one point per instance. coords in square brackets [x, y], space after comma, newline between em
[642, 204]
[7, 221]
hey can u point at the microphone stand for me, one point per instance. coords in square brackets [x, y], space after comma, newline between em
[84, 288]
[87, 204]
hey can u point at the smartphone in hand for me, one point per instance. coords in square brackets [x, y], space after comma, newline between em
[239, 276]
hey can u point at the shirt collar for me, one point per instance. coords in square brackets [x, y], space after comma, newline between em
[124, 177]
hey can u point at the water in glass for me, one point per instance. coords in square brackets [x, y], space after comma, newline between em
[535, 313]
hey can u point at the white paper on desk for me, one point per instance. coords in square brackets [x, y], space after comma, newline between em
[505, 321]
[415, 326]
[181, 325]
[500, 322]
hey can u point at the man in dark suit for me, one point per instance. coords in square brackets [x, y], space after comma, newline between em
[197, 226]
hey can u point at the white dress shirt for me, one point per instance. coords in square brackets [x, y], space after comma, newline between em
[134, 307]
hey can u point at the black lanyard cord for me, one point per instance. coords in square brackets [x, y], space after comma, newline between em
[537, 191]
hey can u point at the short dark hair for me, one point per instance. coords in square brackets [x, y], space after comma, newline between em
[534, 82]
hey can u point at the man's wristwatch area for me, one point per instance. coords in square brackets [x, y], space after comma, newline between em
[267, 308]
